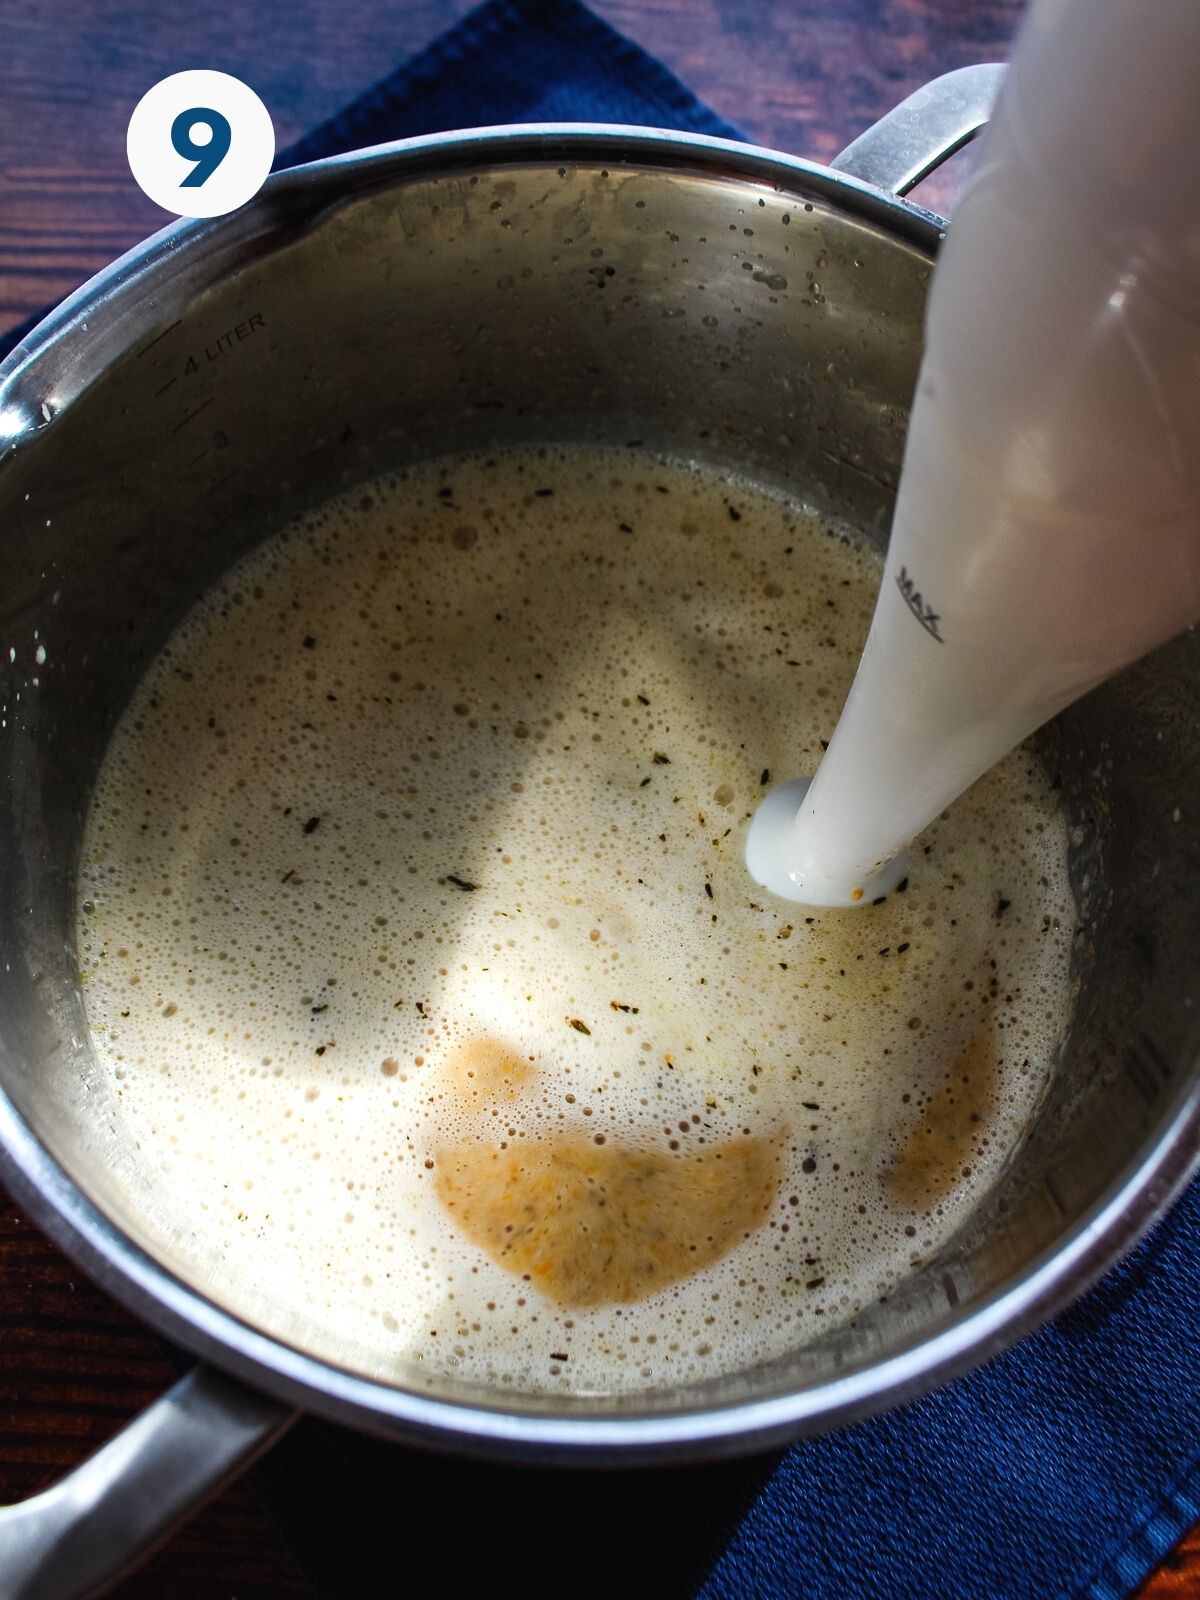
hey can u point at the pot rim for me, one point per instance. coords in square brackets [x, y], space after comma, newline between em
[1113, 1225]
[125, 303]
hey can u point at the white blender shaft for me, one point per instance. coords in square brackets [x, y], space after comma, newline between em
[1047, 526]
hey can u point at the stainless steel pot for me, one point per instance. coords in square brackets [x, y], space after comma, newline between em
[512, 285]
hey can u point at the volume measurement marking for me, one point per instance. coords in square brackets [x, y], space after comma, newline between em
[917, 604]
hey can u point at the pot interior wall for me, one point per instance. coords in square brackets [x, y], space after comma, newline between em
[378, 317]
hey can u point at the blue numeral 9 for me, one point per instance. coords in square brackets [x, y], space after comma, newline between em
[208, 157]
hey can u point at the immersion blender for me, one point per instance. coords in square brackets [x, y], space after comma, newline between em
[1047, 523]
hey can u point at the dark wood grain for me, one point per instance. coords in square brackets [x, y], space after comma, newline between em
[799, 75]
[74, 1368]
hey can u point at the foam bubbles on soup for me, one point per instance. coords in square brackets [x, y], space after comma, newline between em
[418, 945]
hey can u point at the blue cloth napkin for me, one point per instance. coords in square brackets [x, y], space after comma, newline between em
[1067, 1467]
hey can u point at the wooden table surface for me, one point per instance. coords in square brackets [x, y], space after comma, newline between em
[799, 75]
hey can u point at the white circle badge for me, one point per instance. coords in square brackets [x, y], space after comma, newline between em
[200, 143]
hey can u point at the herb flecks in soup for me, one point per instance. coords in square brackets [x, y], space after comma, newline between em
[597, 1224]
[413, 911]
[951, 1129]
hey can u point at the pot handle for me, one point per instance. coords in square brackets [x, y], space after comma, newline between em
[916, 136]
[78, 1537]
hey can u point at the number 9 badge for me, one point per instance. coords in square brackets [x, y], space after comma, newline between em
[200, 143]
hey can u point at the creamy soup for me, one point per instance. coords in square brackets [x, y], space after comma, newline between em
[417, 940]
